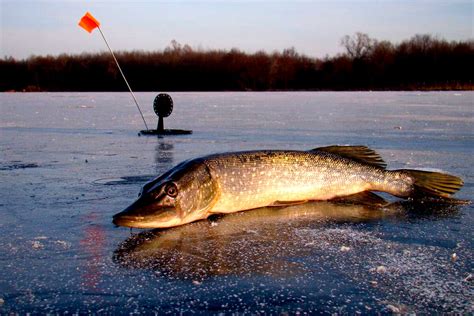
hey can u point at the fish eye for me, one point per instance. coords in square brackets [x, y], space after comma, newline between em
[171, 190]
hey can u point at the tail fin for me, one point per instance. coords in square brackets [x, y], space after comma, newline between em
[434, 183]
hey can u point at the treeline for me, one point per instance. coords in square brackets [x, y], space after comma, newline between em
[422, 62]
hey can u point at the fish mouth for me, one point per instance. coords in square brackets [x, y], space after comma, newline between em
[127, 221]
[147, 216]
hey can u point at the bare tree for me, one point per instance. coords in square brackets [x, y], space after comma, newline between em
[422, 43]
[358, 46]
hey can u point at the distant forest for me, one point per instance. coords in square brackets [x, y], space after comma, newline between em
[423, 62]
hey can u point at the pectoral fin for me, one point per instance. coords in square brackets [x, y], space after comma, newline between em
[287, 203]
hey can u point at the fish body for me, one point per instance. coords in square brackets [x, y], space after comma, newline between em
[232, 182]
[249, 180]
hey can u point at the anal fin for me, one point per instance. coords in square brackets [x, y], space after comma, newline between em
[365, 198]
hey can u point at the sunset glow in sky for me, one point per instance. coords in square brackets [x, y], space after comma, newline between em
[311, 27]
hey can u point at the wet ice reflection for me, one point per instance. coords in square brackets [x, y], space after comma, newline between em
[262, 241]
[334, 241]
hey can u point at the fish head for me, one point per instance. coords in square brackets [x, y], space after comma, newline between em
[181, 195]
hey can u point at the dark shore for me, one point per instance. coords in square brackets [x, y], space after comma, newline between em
[422, 63]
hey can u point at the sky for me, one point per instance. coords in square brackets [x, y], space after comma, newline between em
[314, 28]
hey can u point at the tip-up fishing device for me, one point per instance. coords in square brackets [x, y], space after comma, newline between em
[162, 105]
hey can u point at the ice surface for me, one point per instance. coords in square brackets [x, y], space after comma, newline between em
[69, 161]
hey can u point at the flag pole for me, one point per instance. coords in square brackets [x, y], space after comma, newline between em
[121, 72]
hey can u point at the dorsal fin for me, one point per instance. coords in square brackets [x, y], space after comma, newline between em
[361, 154]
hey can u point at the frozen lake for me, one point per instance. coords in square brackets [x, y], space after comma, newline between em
[69, 161]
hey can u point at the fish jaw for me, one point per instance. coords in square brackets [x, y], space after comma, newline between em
[165, 218]
[141, 215]
[139, 222]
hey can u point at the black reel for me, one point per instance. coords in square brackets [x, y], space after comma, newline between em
[163, 105]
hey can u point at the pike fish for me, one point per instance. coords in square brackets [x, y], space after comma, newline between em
[232, 182]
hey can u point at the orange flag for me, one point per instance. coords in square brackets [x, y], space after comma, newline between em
[88, 22]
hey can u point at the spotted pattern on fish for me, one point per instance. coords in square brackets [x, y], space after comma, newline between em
[254, 179]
